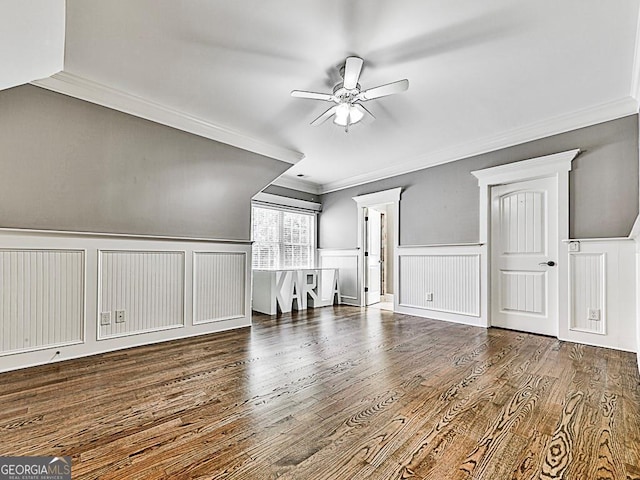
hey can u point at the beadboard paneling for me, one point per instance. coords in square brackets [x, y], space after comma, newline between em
[346, 261]
[453, 279]
[41, 299]
[147, 285]
[588, 289]
[218, 286]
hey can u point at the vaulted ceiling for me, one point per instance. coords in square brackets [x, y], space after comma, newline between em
[483, 75]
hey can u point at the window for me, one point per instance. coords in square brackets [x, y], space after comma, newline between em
[282, 239]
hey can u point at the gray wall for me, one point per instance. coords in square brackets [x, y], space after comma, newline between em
[73, 165]
[440, 204]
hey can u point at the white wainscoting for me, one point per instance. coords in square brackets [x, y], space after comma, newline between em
[148, 286]
[635, 236]
[41, 299]
[587, 288]
[602, 276]
[451, 273]
[219, 286]
[452, 280]
[54, 285]
[347, 263]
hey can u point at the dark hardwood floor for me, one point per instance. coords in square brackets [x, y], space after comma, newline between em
[335, 393]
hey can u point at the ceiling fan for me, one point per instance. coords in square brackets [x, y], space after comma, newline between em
[348, 95]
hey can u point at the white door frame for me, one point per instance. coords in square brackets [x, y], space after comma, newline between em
[392, 197]
[557, 165]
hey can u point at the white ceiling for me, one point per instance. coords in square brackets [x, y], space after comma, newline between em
[482, 75]
[31, 40]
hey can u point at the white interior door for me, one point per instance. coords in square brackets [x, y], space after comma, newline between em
[524, 256]
[372, 256]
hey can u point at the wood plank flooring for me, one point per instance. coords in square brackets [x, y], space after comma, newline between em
[335, 393]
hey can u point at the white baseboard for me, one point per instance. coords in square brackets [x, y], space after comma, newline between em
[597, 344]
[42, 357]
[443, 316]
[350, 302]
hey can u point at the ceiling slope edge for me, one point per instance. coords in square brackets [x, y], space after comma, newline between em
[287, 181]
[94, 92]
[546, 128]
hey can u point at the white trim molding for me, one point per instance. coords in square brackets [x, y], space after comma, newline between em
[94, 92]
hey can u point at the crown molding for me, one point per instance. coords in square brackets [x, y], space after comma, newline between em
[94, 92]
[297, 184]
[553, 126]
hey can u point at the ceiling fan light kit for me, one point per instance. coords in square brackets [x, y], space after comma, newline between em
[348, 96]
[347, 115]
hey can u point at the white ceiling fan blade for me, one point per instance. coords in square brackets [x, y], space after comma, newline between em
[323, 118]
[327, 97]
[364, 110]
[352, 69]
[384, 90]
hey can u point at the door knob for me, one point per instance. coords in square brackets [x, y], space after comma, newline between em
[550, 263]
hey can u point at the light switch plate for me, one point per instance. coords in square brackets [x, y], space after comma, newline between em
[574, 246]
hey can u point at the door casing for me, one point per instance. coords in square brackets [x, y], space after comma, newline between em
[389, 197]
[557, 165]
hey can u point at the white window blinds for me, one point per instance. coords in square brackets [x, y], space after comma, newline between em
[282, 239]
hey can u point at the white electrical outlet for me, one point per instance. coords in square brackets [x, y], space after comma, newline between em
[105, 318]
[574, 246]
[594, 314]
[430, 297]
[120, 316]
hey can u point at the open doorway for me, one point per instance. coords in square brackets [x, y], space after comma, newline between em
[379, 254]
[377, 274]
